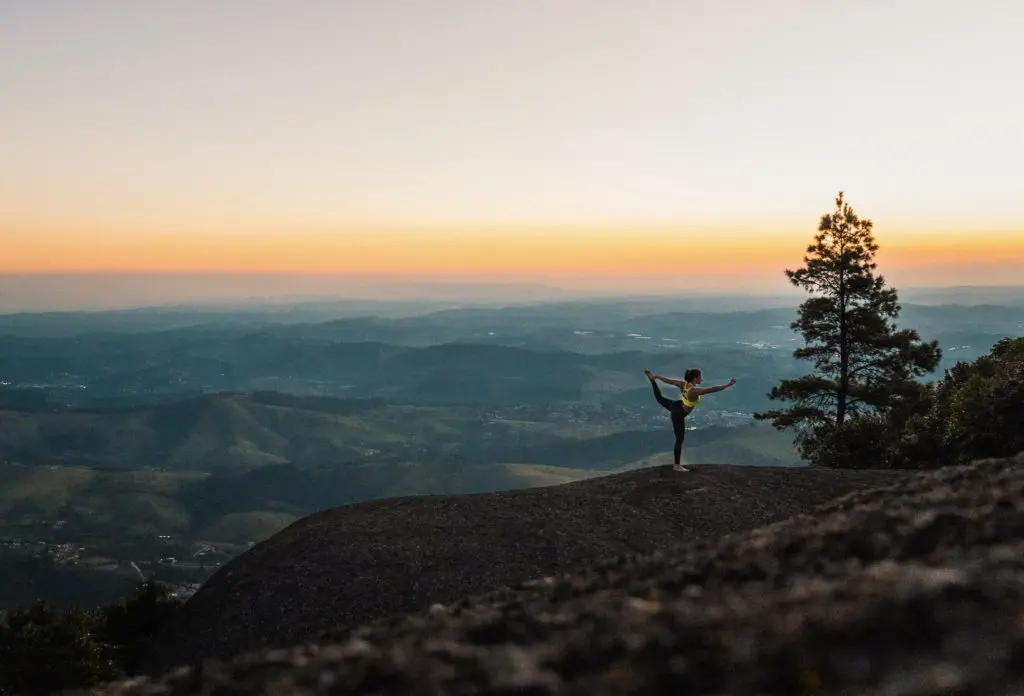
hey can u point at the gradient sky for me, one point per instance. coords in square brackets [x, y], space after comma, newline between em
[544, 139]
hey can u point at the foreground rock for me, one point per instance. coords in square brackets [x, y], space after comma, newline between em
[915, 589]
[362, 562]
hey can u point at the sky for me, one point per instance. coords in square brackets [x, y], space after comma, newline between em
[654, 144]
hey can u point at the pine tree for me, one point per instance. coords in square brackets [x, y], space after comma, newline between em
[864, 365]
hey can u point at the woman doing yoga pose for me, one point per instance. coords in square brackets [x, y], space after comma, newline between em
[681, 408]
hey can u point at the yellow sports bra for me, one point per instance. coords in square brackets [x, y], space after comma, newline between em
[685, 389]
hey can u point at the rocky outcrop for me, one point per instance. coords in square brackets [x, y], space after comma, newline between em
[914, 588]
[358, 563]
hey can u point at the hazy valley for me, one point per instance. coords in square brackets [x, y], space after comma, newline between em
[163, 442]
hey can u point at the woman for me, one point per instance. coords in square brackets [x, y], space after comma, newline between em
[681, 408]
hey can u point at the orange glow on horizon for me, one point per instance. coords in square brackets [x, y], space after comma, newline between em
[493, 251]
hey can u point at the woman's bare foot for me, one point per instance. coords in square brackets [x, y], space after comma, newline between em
[679, 467]
[650, 375]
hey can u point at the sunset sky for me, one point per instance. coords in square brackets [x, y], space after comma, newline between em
[649, 144]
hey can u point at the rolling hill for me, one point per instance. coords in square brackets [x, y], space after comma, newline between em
[214, 431]
[246, 431]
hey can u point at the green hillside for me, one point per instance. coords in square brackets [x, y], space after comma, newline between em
[213, 432]
[241, 527]
[39, 489]
[97, 499]
[230, 431]
[533, 475]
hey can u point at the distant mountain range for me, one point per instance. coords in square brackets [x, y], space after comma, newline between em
[46, 292]
[555, 353]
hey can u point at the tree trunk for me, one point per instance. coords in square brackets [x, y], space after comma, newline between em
[844, 354]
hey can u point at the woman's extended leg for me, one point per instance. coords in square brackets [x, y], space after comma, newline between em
[665, 403]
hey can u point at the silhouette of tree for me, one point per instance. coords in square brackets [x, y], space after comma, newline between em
[975, 411]
[43, 650]
[864, 365]
[131, 624]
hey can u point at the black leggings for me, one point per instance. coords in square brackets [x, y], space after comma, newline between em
[678, 419]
